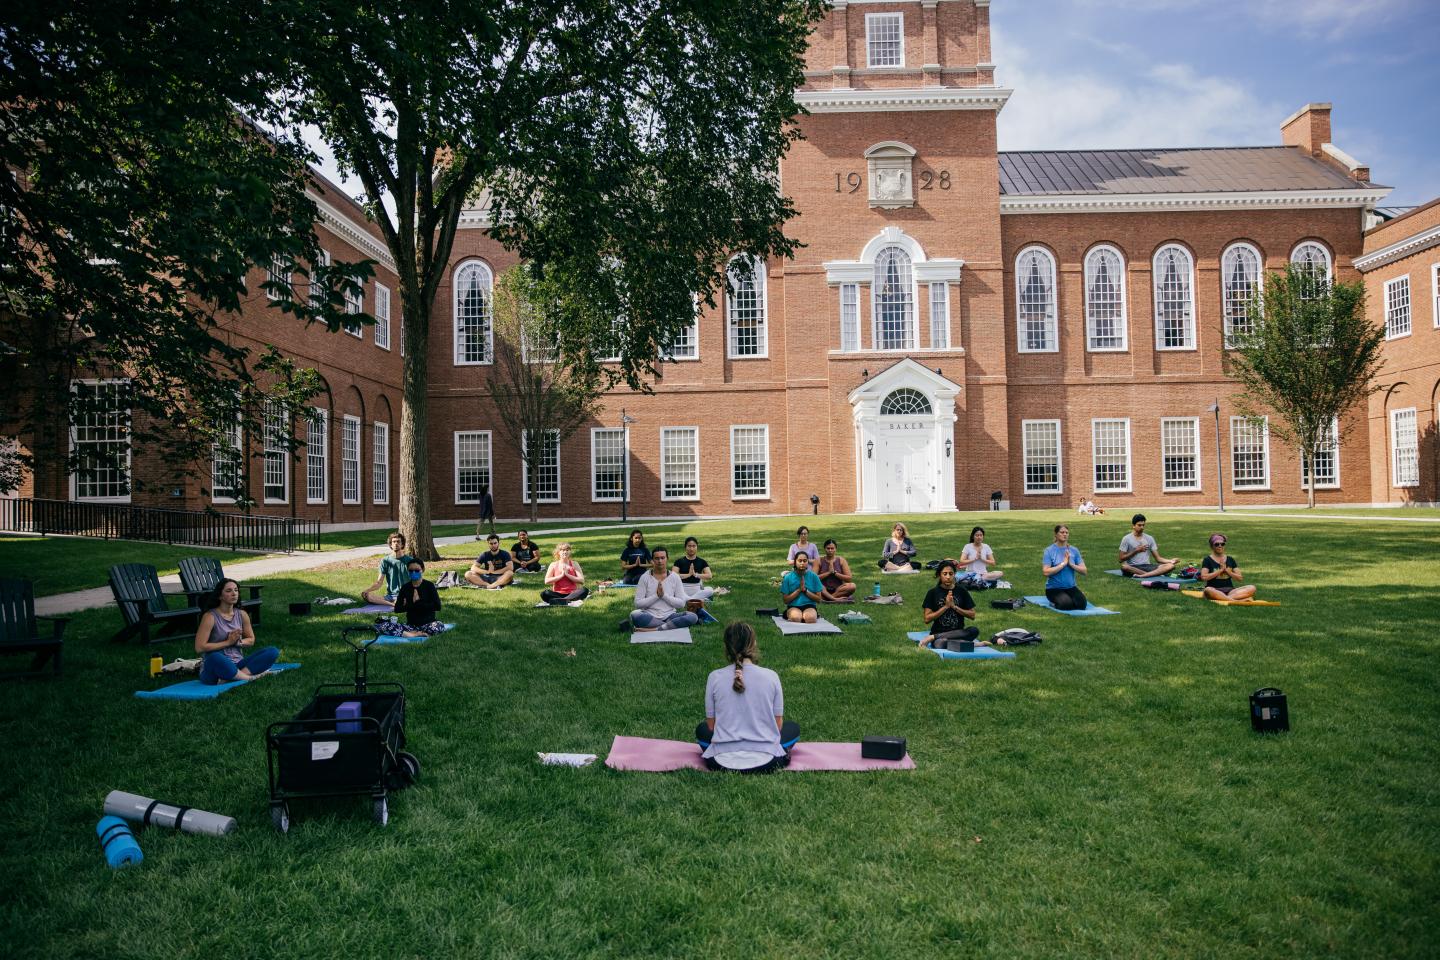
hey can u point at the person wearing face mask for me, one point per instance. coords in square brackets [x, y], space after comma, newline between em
[661, 602]
[420, 602]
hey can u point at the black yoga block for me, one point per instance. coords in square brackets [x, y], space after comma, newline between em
[883, 748]
[960, 646]
[299, 609]
[1269, 711]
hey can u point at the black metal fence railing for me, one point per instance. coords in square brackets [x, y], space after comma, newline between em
[193, 528]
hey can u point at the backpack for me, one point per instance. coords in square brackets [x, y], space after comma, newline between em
[1015, 637]
[1009, 603]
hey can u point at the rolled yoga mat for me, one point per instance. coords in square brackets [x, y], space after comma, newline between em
[117, 842]
[144, 811]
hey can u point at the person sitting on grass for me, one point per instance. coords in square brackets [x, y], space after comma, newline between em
[803, 545]
[634, 559]
[898, 552]
[801, 590]
[947, 606]
[836, 582]
[745, 730]
[224, 636]
[564, 580]
[392, 573]
[661, 602]
[525, 553]
[1087, 508]
[494, 568]
[694, 571]
[1219, 571]
[977, 557]
[1060, 563]
[1139, 557]
[420, 602]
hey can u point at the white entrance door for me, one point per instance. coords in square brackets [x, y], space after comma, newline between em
[906, 470]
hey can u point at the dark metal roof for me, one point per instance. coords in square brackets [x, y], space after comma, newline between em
[1187, 170]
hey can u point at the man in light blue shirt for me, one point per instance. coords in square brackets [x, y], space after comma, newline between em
[1060, 564]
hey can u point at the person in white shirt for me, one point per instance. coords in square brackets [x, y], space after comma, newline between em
[977, 558]
[745, 730]
[661, 602]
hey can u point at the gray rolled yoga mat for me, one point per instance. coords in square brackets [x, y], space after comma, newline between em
[146, 811]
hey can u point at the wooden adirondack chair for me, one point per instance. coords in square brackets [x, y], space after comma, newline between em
[142, 604]
[19, 632]
[198, 575]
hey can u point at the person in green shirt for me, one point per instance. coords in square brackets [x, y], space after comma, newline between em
[393, 573]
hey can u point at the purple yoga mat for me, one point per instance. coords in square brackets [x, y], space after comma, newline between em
[370, 608]
[660, 756]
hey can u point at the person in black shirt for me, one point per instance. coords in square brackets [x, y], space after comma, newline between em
[1219, 571]
[635, 558]
[947, 607]
[420, 602]
[694, 571]
[526, 554]
[492, 569]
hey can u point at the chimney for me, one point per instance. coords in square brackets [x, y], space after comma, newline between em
[1307, 128]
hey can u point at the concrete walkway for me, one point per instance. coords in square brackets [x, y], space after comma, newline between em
[254, 571]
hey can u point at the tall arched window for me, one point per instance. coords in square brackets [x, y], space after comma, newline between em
[745, 309]
[1105, 327]
[905, 402]
[474, 333]
[893, 301]
[1239, 281]
[1174, 298]
[1035, 301]
[1313, 261]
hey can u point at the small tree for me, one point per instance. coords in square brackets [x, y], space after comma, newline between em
[1310, 354]
[535, 391]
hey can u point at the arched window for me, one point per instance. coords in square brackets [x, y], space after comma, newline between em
[893, 301]
[1035, 301]
[1313, 262]
[905, 402]
[1174, 299]
[1239, 281]
[474, 333]
[1105, 327]
[745, 309]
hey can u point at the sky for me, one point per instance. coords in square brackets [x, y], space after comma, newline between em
[1091, 74]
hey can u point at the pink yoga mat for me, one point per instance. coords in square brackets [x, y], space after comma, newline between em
[660, 756]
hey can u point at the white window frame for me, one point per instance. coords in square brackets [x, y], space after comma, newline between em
[694, 434]
[940, 316]
[349, 463]
[236, 463]
[911, 289]
[1238, 424]
[279, 272]
[734, 492]
[1122, 320]
[1193, 425]
[380, 463]
[849, 317]
[762, 301]
[317, 454]
[1334, 449]
[1300, 247]
[1059, 489]
[525, 470]
[595, 496]
[276, 453]
[1050, 329]
[871, 21]
[354, 303]
[382, 316]
[129, 447]
[484, 440]
[1230, 305]
[1191, 340]
[1396, 310]
[1399, 478]
[317, 293]
[690, 336]
[1095, 423]
[461, 274]
[1435, 294]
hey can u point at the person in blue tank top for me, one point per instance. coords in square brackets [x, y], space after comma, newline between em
[1060, 564]
[225, 640]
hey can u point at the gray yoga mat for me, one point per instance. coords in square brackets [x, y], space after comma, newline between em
[143, 810]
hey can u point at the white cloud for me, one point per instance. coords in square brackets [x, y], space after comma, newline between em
[1335, 19]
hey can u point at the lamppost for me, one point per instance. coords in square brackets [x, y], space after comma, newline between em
[1219, 464]
[625, 421]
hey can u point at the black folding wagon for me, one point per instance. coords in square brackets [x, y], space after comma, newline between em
[359, 752]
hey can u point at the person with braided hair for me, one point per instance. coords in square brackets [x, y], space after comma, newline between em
[745, 730]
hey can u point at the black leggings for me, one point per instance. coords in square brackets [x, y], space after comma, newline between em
[557, 599]
[1068, 599]
[632, 577]
[965, 633]
[789, 733]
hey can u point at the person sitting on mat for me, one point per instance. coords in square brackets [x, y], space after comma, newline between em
[525, 553]
[745, 730]
[1219, 571]
[223, 637]
[1139, 557]
[694, 571]
[801, 590]
[1060, 564]
[494, 568]
[420, 602]
[977, 557]
[1087, 508]
[947, 606]
[564, 580]
[803, 545]
[634, 559]
[898, 552]
[836, 583]
[661, 602]
[392, 573]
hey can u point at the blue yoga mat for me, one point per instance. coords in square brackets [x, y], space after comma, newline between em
[383, 641]
[705, 616]
[979, 653]
[118, 843]
[195, 690]
[1090, 611]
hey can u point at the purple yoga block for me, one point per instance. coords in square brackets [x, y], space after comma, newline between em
[347, 716]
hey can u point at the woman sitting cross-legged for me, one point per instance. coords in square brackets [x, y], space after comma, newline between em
[1060, 563]
[947, 606]
[224, 636]
[898, 552]
[745, 729]
[634, 559]
[661, 602]
[801, 590]
[1219, 571]
[978, 557]
[835, 580]
[564, 580]
[694, 571]
[420, 602]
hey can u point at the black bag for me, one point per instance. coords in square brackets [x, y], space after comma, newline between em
[1015, 637]
[1009, 603]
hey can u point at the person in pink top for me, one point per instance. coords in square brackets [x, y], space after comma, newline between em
[564, 580]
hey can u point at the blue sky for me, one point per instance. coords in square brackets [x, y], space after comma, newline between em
[1193, 73]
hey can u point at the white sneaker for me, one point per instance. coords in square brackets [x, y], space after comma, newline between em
[574, 603]
[1003, 585]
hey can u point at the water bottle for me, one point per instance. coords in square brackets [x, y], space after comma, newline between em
[876, 591]
[156, 664]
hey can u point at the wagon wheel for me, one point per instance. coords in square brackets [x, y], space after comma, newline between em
[410, 768]
[380, 810]
[280, 816]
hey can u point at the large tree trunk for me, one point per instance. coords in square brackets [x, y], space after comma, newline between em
[1310, 487]
[414, 448]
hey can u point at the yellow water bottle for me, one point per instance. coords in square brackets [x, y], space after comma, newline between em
[156, 664]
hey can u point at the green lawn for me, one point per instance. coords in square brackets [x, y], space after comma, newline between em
[1101, 795]
[63, 564]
